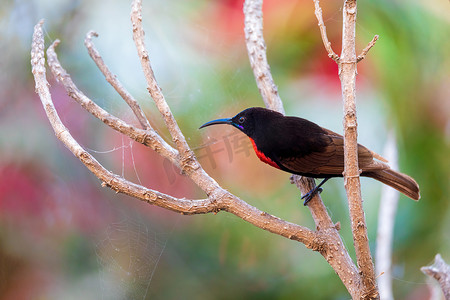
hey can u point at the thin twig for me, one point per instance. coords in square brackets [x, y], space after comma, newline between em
[188, 161]
[115, 83]
[256, 49]
[366, 50]
[347, 73]
[147, 137]
[323, 32]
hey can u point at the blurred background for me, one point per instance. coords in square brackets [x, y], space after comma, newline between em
[63, 236]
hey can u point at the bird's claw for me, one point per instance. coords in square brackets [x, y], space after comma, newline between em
[310, 195]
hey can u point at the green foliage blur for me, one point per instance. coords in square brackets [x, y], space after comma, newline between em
[63, 236]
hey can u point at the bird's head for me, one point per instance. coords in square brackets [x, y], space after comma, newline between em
[245, 121]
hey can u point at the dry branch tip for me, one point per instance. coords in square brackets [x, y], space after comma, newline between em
[367, 49]
[323, 32]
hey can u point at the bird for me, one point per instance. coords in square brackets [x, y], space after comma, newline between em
[298, 146]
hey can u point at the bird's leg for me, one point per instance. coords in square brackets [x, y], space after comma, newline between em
[314, 191]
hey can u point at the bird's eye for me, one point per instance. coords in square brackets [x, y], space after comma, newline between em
[242, 120]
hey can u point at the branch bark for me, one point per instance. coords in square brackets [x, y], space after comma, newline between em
[186, 154]
[256, 49]
[366, 50]
[323, 32]
[347, 74]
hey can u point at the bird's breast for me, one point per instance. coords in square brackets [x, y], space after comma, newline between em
[262, 156]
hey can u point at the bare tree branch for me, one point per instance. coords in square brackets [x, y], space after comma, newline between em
[218, 198]
[366, 50]
[109, 179]
[256, 48]
[323, 32]
[187, 160]
[115, 83]
[440, 271]
[359, 282]
[347, 74]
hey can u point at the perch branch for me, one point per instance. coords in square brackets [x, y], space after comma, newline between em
[347, 73]
[440, 271]
[147, 137]
[323, 32]
[256, 48]
[336, 254]
[115, 83]
[317, 208]
[217, 201]
[366, 50]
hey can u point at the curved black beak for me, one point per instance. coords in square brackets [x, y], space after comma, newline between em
[218, 121]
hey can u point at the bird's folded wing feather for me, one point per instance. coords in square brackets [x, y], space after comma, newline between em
[330, 159]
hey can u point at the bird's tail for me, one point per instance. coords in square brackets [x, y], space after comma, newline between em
[401, 182]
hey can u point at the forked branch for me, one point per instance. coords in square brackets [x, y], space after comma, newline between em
[178, 138]
[218, 199]
[146, 137]
[327, 43]
[115, 83]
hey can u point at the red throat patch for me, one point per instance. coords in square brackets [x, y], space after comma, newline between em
[262, 157]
